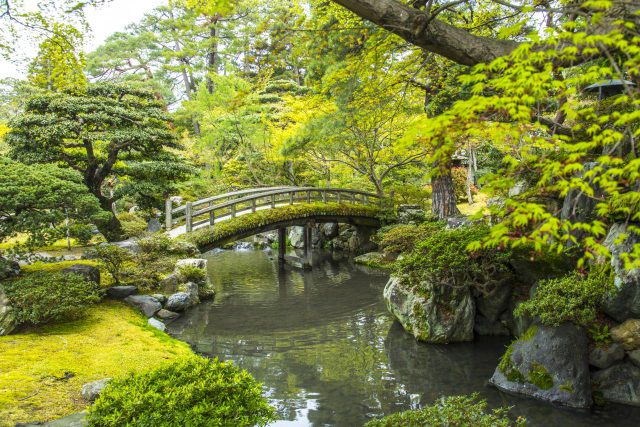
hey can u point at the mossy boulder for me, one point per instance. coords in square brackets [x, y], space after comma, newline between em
[436, 314]
[548, 363]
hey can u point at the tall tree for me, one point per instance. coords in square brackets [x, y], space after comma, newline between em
[108, 134]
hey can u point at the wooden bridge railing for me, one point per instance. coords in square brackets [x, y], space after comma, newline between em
[229, 205]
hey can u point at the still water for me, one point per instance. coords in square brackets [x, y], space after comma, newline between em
[328, 353]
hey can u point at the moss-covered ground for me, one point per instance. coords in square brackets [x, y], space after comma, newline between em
[42, 369]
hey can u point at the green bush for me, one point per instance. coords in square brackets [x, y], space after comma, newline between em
[44, 297]
[113, 259]
[571, 298]
[453, 411]
[132, 224]
[83, 233]
[402, 238]
[191, 273]
[188, 392]
[443, 258]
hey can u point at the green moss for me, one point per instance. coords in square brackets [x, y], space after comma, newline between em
[210, 236]
[529, 333]
[43, 369]
[540, 377]
[54, 267]
[506, 365]
[567, 387]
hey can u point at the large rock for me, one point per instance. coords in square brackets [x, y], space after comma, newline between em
[145, 303]
[167, 315]
[194, 262]
[329, 230]
[180, 301]
[603, 357]
[627, 334]
[620, 383]
[548, 363]
[372, 259]
[8, 268]
[153, 225]
[121, 292]
[7, 315]
[625, 303]
[457, 222]
[411, 214]
[296, 236]
[438, 314]
[355, 240]
[193, 291]
[91, 391]
[170, 283]
[634, 357]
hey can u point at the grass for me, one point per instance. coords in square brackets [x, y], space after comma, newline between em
[55, 267]
[479, 203]
[42, 369]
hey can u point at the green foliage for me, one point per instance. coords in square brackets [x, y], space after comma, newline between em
[459, 411]
[209, 236]
[45, 297]
[132, 225]
[113, 259]
[402, 238]
[192, 391]
[572, 298]
[191, 273]
[36, 200]
[600, 334]
[443, 258]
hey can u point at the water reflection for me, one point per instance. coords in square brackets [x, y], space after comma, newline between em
[328, 353]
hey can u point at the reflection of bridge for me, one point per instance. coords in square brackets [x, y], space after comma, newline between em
[226, 207]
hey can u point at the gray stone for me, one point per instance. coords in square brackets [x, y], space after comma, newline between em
[634, 357]
[625, 303]
[194, 262]
[193, 291]
[577, 206]
[548, 363]
[493, 305]
[484, 326]
[121, 292]
[170, 283]
[372, 259]
[329, 230]
[457, 222]
[243, 246]
[440, 314]
[91, 391]
[7, 315]
[603, 357]
[411, 214]
[296, 237]
[180, 301]
[145, 303]
[153, 225]
[167, 315]
[627, 334]
[518, 188]
[8, 268]
[620, 384]
[75, 420]
[156, 324]
[89, 272]
[129, 244]
[160, 298]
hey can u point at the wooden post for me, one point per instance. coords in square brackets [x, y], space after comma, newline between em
[188, 218]
[233, 211]
[308, 196]
[324, 196]
[273, 201]
[253, 205]
[168, 220]
[339, 197]
[282, 243]
[308, 243]
[291, 198]
[212, 216]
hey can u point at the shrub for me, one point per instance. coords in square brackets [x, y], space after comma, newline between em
[132, 225]
[114, 259]
[402, 238]
[188, 392]
[83, 233]
[458, 411]
[571, 298]
[443, 258]
[191, 273]
[44, 297]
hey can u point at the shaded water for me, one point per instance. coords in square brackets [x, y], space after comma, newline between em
[329, 354]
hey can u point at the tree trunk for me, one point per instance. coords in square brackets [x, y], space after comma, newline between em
[443, 196]
[111, 229]
[471, 173]
[212, 57]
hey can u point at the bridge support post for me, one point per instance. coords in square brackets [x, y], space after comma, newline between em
[168, 220]
[308, 242]
[282, 243]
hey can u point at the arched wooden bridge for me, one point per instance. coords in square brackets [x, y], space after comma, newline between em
[212, 211]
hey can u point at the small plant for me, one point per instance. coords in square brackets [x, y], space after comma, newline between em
[188, 392]
[461, 411]
[114, 259]
[402, 238]
[600, 334]
[571, 298]
[191, 273]
[43, 297]
[132, 224]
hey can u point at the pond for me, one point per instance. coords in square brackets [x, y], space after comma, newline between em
[329, 354]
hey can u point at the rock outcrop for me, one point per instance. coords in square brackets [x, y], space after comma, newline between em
[145, 303]
[548, 363]
[436, 314]
[620, 384]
